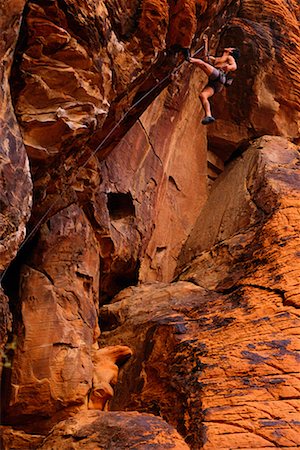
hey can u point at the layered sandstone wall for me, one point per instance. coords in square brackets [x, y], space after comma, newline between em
[15, 178]
[155, 163]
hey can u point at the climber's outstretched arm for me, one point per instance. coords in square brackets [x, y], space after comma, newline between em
[210, 59]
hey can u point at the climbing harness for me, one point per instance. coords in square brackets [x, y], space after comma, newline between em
[105, 139]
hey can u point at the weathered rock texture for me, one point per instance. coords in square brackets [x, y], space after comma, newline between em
[80, 57]
[15, 179]
[149, 168]
[115, 431]
[214, 353]
[15, 176]
[100, 430]
[18, 440]
[57, 360]
[217, 355]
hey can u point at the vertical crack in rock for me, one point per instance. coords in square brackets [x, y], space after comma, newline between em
[149, 140]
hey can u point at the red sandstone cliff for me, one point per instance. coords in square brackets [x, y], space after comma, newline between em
[102, 146]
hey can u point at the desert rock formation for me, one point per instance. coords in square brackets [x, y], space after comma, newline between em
[221, 331]
[15, 178]
[160, 274]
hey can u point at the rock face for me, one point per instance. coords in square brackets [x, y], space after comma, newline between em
[216, 355]
[73, 61]
[57, 359]
[15, 176]
[15, 179]
[18, 439]
[129, 193]
[100, 430]
[152, 179]
[114, 430]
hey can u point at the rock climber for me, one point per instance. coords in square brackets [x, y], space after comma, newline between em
[217, 75]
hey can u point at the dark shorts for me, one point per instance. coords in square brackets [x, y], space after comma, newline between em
[214, 81]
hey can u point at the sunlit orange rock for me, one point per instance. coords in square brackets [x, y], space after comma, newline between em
[105, 374]
[216, 352]
[58, 363]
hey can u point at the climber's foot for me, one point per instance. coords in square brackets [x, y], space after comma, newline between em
[207, 120]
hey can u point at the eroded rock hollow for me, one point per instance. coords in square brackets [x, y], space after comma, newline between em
[150, 283]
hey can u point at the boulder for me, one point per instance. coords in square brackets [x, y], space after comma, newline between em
[115, 431]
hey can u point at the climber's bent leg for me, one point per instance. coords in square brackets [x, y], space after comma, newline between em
[208, 69]
[204, 96]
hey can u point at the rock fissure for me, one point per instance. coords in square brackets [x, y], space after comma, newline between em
[149, 140]
[246, 428]
[43, 272]
[256, 286]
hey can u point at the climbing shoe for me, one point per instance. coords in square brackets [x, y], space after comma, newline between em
[207, 120]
